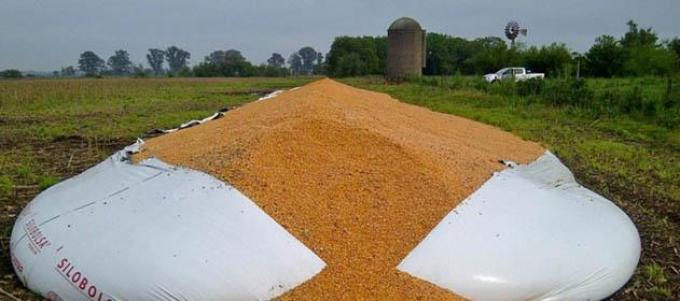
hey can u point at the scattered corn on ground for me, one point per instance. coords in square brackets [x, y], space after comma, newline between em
[357, 176]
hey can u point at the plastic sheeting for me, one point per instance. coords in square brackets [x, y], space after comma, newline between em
[530, 233]
[216, 115]
[153, 231]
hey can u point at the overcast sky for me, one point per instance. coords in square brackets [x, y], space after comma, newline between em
[44, 35]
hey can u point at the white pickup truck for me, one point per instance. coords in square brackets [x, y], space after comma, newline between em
[517, 73]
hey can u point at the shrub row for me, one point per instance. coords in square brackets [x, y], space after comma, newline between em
[646, 98]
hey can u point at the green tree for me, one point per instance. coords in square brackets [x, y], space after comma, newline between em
[119, 63]
[364, 49]
[216, 57]
[205, 69]
[448, 55]
[139, 71]
[320, 66]
[319, 58]
[275, 67]
[308, 56]
[351, 64]
[646, 60]
[643, 54]
[439, 58]
[224, 63]
[177, 58]
[605, 58]
[636, 37]
[295, 63]
[68, 71]
[235, 64]
[11, 73]
[90, 63]
[269, 71]
[552, 59]
[674, 45]
[492, 54]
[156, 57]
[276, 60]
[380, 45]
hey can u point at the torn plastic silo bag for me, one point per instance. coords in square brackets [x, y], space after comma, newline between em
[530, 233]
[152, 231]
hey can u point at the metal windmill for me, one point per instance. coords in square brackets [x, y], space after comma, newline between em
[513, 30]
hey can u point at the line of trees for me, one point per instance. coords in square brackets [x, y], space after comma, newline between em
[120, 64]
[638, 52]
[305, 61]
[11, 74]
[228, 63]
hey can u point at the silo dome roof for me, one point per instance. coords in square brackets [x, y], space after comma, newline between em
[405, 23]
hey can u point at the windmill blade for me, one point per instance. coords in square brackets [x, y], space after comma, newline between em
[512, 30]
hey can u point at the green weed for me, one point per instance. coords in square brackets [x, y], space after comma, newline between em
[6, 186]
[46, 181]
[655, 273]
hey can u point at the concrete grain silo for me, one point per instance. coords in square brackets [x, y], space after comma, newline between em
[405, 50]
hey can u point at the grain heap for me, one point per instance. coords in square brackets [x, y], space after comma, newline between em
[357, 176]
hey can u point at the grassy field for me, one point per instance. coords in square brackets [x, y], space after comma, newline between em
[53, 129]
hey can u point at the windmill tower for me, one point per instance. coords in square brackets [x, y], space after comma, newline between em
[513, 30]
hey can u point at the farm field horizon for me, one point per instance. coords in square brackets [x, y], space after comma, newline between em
[52, 129]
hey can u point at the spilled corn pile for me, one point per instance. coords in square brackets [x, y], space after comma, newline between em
[357, 176]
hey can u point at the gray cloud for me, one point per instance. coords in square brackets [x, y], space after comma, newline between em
[45, 35]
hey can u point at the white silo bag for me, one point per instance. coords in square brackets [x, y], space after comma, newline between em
[153, 231]
[530, 233]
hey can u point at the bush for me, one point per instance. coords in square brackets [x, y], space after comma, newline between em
[185, 72]
[567, 91]
[606, 102]
[139, 74]
[533, 86]
[206, 70]
[643, 97]
[670, 118]
[269, 71]
[633, 101]
[672, 95]
[502, 87]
